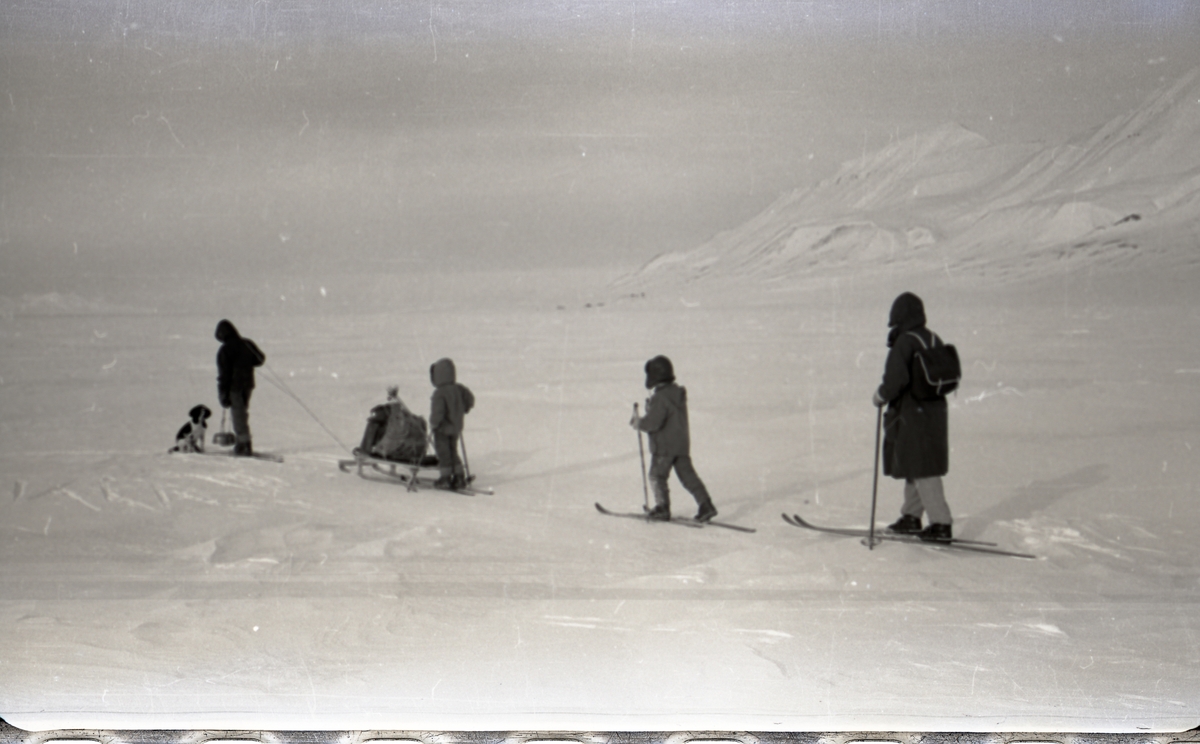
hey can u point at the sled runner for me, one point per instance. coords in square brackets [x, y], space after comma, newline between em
[414, 475]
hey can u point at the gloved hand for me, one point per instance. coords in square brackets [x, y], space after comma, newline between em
[878, 400]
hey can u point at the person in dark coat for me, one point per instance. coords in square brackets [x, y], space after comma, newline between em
[449, 404]
[916, 445]
[236, 360]
[666, 421]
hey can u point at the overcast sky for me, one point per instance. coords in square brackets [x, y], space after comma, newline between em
[142, 138]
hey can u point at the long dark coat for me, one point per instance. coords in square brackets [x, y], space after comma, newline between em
[916, 440]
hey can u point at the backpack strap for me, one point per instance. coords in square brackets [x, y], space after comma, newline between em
[936, 341]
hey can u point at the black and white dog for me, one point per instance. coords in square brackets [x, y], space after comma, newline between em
[191, 435]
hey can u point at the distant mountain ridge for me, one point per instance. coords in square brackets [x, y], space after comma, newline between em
[949, 198]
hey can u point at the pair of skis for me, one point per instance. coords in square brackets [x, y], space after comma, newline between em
[683, 521]
[978, 546]
[958, 543]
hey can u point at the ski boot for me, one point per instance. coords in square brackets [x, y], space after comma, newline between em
[906, 525]
[936, 533]
[659, 514]
[707, 512]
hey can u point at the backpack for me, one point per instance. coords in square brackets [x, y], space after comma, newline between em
[936, 371]
[405, 436]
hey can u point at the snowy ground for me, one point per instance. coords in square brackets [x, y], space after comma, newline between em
[145, 589]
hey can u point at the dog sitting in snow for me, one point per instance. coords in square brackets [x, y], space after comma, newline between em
[191, 435]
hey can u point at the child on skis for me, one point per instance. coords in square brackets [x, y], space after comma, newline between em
[666, 421]
[449, 404]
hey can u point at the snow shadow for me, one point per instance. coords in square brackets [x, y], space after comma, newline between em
[1029, 499]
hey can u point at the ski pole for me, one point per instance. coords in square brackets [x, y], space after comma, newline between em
[466, 466]
[875, 483]
[642, 454]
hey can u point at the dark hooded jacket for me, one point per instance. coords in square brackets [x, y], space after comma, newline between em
[450, 402]
[916, 433]
[666, 420]
[236, 360]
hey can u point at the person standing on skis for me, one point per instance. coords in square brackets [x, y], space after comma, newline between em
[916, 440]
[236, 360]
[666, 421]
[449, 404]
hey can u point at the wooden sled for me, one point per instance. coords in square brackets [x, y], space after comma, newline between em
[408, 473]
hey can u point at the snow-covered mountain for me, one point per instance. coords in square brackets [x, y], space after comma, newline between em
[950, 199]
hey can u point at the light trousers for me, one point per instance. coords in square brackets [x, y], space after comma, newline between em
[925, 495]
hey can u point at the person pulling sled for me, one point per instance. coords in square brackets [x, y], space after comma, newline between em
[236, 361]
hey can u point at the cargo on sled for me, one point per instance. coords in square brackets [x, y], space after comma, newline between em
[395, 443]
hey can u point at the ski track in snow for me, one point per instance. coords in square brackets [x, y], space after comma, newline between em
[71, 494]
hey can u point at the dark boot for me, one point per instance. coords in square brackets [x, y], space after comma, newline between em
[445, 483]
[662, 502]
[906, 525]
[659, 513]
[936, 533]
[707, 512]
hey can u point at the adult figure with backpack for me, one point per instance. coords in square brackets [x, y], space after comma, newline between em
[236, 360]
[916, 446]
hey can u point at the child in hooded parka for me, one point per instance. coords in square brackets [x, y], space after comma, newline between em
[450, 403]
[666, 421]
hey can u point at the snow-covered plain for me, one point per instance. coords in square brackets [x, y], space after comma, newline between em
[141, 588]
